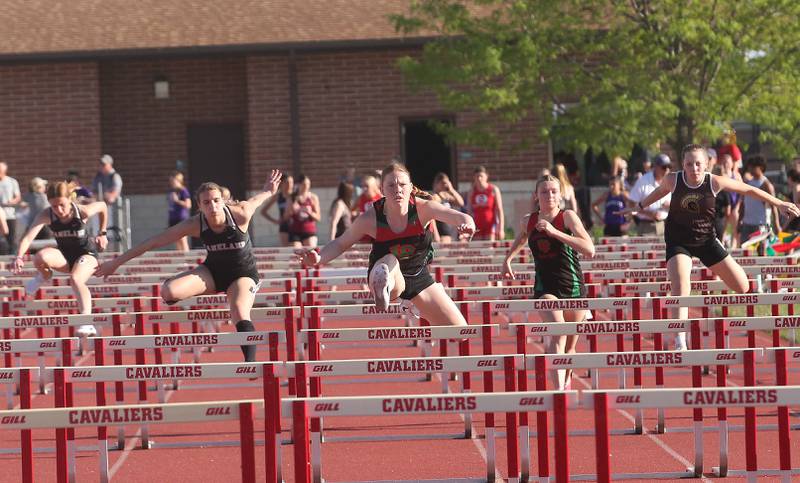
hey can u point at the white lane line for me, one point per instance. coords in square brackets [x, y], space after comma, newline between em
[132, 443]
[661, 444]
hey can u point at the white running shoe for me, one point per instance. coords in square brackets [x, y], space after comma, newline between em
[86, 331]
[32, 285]
[680, 341]
[381, 286]
[409, 308]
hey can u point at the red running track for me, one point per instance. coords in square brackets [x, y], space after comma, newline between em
[408, 459]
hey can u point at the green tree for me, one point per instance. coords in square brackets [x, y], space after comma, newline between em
[611, 73]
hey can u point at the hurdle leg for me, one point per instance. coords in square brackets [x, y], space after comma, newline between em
[302, 465]
[247, 445]
[26, 438]
[511, 424]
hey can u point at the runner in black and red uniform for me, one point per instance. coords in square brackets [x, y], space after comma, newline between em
[555, 238]
[401, 250]
[229, 266]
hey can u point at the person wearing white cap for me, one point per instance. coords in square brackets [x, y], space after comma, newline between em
[650, 221]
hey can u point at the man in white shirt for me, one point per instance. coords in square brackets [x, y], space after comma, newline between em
[650, 221]
[10, 198]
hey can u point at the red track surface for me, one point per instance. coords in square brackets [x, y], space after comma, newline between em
[416, 459]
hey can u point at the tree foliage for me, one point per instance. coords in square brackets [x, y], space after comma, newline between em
[611, 73]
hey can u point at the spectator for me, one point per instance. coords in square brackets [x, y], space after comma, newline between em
[729, 147]
[82, 194]
[568, 200]
[10, 198]
[755, 214]
[712, 159]
[341, 211]
[370, 193]
[179, 202]
[282, 198]
[723, 205]
[727, 169]
[650, 220]
[107, 182]
[107, 185]
[614, 201]
[36, 201]
[448, 196]
[302, 214]
[485, 204]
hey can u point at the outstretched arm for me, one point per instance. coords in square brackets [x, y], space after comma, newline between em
[361, 227]
[244, 210]
[100, 209]
[430, 210]
[34, 229]
[745, 189]
[190, 227]
[519, 242]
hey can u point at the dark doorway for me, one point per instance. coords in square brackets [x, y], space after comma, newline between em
[425, 151]
[216, 153]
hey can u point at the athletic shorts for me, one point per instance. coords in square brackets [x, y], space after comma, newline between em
[560, 292]
[415, 284]
[710, 253]
[300, 237]
[72, 257]
[225, 276]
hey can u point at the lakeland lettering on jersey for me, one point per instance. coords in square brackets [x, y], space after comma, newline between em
[788, 322]
[730, 299]
[742, 396]
[371, 310]
[209, 315]
[403, 333]
[186, 340]
[161, 372]
[220, 247]
[41, 321]
[414, 365]
[564, 304]
[126, 415]
[607, 327]
[634, 359]
[69, 234]
[430, 404]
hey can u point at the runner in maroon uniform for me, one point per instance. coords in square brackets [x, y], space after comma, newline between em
[401, 249]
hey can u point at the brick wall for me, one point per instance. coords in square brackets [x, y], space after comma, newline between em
[147, 135]
[49, 120]
[350, 106]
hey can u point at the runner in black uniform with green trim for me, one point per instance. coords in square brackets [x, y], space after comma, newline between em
[555, 238]
[76, 251]
[690, 231]
[398, 264]
[229, 265]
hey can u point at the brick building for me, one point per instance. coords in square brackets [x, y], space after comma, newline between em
[304, 86]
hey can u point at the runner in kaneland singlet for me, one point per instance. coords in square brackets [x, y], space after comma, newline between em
[229, 265]
[690, 230]
[401, 250]
[555, 238]
[75, 252]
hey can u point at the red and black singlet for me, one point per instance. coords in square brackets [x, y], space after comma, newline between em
[412, 246]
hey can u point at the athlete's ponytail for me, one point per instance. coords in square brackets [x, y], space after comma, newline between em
[420, 193]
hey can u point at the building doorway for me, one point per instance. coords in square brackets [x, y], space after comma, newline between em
[426, 151]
